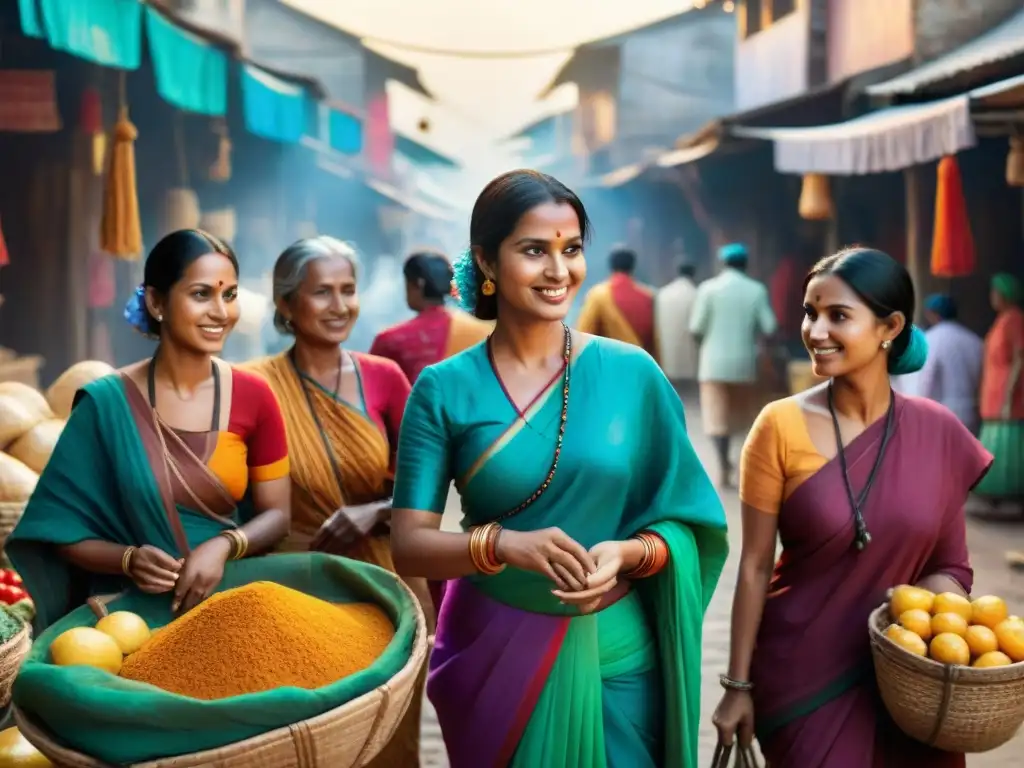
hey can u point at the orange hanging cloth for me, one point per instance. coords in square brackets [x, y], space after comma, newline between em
[952, 243]
[120, 230]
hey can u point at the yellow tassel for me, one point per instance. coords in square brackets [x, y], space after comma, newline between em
[99, 153]
[120, 231]
[221, 169]
[1015, 162]
[815, 198]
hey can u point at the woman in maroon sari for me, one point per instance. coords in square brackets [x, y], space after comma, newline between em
[865, 488]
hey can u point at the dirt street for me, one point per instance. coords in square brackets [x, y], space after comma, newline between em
[987, 540]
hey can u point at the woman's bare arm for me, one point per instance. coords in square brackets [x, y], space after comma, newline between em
[94, 556]
[420, 548]
[757, 559]
[272, 501]
[940, 582]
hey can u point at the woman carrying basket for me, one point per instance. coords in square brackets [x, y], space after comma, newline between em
[147, 481]
[570, 632]
[342, 412]
[866, 490]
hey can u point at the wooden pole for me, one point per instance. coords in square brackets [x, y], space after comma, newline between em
[912, 190]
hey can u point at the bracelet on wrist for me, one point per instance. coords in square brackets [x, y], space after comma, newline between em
[743, 686]
[239, 542]
[654, 558]
[483, 545]
[126, 561]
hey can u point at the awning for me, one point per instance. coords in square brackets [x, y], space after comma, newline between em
[344, 132]
[190, 73]
[407, 201]
[274, 109]
[1002, 42]
[888, 140]
[688, 154]
[108, 32]
[891, 139]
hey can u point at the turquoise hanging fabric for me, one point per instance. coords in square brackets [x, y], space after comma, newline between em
[274, 109]
[345, 132]
[108, 32]
[190, 74]
[31, 25]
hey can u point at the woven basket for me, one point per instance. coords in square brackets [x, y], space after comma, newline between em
[10, 514]
[12, 653]
[954, 708]
[347, 737]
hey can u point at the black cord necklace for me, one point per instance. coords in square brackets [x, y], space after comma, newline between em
[861, 537]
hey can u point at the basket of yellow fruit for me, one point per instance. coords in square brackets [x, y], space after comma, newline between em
[950, 670]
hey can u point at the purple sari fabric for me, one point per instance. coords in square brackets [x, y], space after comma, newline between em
[815, 695]
[484, 695]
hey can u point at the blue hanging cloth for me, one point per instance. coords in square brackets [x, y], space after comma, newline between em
[108, 32]
[345, 132]
[190, 73]
[274, 109]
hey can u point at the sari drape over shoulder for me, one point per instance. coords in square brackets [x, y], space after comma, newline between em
[107, 480]
[815, 698]
[363, 453]
[512, 666]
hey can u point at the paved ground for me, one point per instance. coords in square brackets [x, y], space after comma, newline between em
[988, 540]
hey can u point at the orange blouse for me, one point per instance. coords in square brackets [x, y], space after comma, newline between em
[778, 456]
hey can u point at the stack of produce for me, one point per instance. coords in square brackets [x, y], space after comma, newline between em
[951, 629]
[17, 752]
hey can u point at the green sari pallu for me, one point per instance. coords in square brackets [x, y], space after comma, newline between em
[99, 485]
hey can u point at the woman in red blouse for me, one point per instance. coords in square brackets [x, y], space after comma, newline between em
[437, 331]
[169, 468]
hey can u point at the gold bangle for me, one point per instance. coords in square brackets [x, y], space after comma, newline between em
[646, 560]
[126, 561]
[480, 542]
[243, 543]
[239, 542]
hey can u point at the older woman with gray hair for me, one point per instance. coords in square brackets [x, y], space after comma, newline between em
[342, 412]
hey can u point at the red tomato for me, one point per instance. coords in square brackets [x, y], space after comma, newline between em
[8, 595]
[12, 578]
[18, 594]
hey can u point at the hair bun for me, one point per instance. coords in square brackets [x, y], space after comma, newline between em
[913, 358]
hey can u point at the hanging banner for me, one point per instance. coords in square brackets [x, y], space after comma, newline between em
[274, 109]
[190, 73]
[107, 32]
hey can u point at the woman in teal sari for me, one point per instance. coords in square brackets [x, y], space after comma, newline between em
[570, 629]
[146, 482]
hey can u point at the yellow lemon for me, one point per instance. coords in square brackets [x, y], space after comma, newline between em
[950, 602]
[129, 630]
[17, 752]
[1010, 634]
[949, 622]
[907, 640]
[88, 647]
[917, 621]
[907, 598]
[948, 648]
[992, 659]
[988, 611]
[981, 640]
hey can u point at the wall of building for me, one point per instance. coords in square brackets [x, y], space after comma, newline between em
[942, 25]
[865, 34]
[772, 64]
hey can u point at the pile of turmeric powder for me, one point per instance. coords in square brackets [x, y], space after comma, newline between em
[258, 637]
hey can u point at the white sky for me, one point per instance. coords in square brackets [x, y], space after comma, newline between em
[482, 101]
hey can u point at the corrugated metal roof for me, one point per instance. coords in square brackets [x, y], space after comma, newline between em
[1002, 42]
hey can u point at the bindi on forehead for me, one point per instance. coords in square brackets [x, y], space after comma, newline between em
[558, 233]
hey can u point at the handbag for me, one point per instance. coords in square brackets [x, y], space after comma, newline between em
[745, 758]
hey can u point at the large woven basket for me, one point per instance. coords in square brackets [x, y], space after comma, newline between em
[12, 653]
[347, 737]
[958, 709]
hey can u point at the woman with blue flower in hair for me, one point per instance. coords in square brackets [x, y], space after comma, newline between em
[866, 490]
[147, 481]
[570, 630]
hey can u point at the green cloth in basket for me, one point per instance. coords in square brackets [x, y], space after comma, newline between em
[123, 721]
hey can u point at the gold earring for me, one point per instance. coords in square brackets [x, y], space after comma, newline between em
[488, 288]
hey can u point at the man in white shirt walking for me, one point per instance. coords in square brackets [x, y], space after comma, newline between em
[731, 314]
[673, 305]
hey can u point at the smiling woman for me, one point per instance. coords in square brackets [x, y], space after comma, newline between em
[169, 468]
[587, 514]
